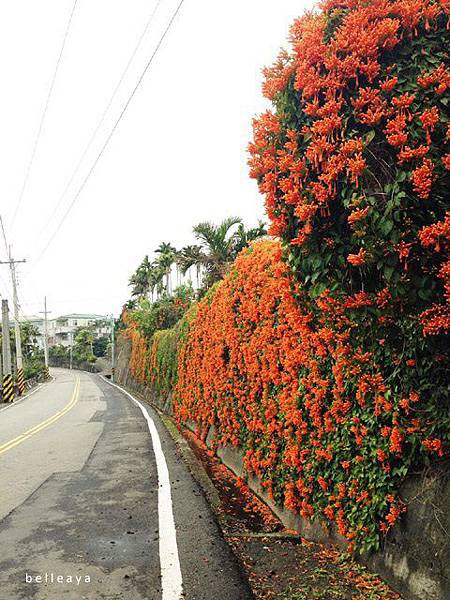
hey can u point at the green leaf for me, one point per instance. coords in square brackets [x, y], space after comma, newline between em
[387, 272]
[369, 136]
[386, 226]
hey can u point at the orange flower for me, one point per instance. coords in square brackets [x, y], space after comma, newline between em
[381, 455]
[422, 178]
[395, 131]
[396, 441]
[429, 118]
[357, 259]
[403, 102]
[406, 154]
[434, 445]
[357, 215]
[389, 84]
[355, 167]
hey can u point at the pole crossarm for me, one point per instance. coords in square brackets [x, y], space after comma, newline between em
[11, 261]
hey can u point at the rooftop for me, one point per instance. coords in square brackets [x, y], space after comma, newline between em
[30, 318]
[81, 316]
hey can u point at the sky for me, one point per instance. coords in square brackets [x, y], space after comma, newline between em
[177, 157]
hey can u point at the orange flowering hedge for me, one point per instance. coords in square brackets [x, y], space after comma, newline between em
[316, 421]
[354, 159]
[154, 361]
[333, 379]
[354, 163]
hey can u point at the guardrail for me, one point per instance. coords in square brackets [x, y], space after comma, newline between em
[31, 382]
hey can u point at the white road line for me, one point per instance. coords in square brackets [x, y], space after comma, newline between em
[171, 578]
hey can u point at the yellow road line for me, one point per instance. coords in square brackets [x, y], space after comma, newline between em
[27, 434]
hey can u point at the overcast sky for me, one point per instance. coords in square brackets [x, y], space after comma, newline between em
[177, 158]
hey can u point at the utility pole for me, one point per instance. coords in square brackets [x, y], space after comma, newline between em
[1, 357]
[113, 349]
[19, 360]
[71, 348]
[1, 367]
[45, 313]
[8, 387]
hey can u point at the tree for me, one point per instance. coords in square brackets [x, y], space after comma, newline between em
[155, 279]
[164, 312]
[217, 245]
[215, 252]
[167, 255]
[29, 334]
[100, 346]
[188, 257]
[83, 348]
[243, 236]
[58, 355]
[140, 279]
[218, 248]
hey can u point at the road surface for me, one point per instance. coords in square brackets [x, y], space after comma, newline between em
[96, 503]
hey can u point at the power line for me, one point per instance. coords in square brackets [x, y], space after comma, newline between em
[44, 112]
[103, 116]
[5, 241]
[108, 139]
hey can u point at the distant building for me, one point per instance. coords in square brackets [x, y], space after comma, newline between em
[37, 322]
[62, 330]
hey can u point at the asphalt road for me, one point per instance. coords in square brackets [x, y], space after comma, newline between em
[96, 502]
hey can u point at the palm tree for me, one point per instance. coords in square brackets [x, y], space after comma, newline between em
[188, 257]
[167, 255]
[217, 247]
[139, 279]
[244, 236]
[155, 278]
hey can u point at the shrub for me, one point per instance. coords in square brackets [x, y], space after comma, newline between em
[164, 312]
[154, 359]
[354, 165]
[34, 365]
[317, 424]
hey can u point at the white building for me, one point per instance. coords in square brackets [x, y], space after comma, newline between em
[62, 330]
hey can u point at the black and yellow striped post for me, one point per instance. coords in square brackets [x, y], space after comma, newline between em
[46, 373]
[8, 392]
[8, 388]
[20, 381]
